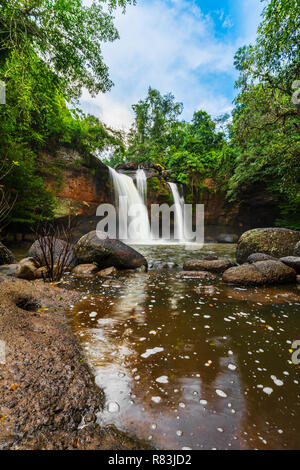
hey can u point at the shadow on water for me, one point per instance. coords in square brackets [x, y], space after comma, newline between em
[186, 369]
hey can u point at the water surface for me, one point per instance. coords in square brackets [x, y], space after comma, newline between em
[193, 369]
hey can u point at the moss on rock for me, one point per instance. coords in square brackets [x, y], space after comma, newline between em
[277, 242]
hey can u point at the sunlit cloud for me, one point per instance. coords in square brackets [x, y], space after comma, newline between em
[175, 47]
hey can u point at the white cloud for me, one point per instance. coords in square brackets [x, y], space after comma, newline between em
[172, 46]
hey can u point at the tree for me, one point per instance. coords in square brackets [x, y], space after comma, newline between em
[67, 35]
[266, 121]
[50, 49]
[154, 119]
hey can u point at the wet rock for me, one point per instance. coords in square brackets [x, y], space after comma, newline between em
[260, 257]
[169, 265]
[9, 269]
[60, 251]
[107, 252]
[26, 270]
[260, 273]
[261, 297]
[214, 266]
[297, 249]
[112, 271]
[29, 260]
[129, 166]
[85, 270]
[210, 258]
[227, 238]
[298, 279]
[206, 290]
[292, 262]
[277, 242]
[6, 256]
[204, 275]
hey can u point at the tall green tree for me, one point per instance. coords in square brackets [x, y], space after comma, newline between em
[266, 120]
[49, 51]
[154, 119]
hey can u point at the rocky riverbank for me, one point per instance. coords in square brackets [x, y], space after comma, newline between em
[48, 396]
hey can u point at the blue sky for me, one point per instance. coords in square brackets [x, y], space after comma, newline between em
[181, 46]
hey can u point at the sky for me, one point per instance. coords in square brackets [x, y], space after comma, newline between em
[181, 46]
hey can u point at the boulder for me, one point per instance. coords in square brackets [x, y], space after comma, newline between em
[206, 290]
[107, 252]
[26, 270]
[107, 272]
[6, 256]
[260, 273]
[85, 270]
[260, 257]
[277, 242]
[9, 269]
[292, 262]
[227, 238]
[60, 250]
[297, 249]
[203, 275]
[214, 266]
[128, 166]
[29, 260]
[170, 265]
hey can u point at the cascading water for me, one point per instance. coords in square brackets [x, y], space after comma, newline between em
[179, 213]
[136, 219]
[141, 182]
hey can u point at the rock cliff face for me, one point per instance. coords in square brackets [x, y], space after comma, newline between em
[81, 184]
[257, 209]
[84, 185]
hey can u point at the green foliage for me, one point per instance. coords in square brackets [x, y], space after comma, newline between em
[65, 34]
[50, 49]
[154, 120]
[266, 121]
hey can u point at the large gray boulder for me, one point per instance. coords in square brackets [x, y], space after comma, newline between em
[260, 274]
[45, 248]
[277, 242]
[213, 266]
[292, 262]
[6, 256]
[107, 252]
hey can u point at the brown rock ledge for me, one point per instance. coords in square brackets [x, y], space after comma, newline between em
[47, 390]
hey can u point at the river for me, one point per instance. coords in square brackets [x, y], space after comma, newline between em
[187, 369]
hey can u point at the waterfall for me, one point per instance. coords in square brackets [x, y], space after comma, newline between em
[179, 213]
[141, 182]
[136, 219]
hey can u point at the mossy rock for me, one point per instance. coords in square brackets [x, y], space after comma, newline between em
[158, 191]
[6, 256]
[277, 242]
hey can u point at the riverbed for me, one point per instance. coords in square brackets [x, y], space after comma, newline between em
[190, 364]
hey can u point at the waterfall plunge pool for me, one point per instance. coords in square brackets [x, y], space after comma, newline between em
[186, 369]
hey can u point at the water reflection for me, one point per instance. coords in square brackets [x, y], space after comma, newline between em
[185, 363]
